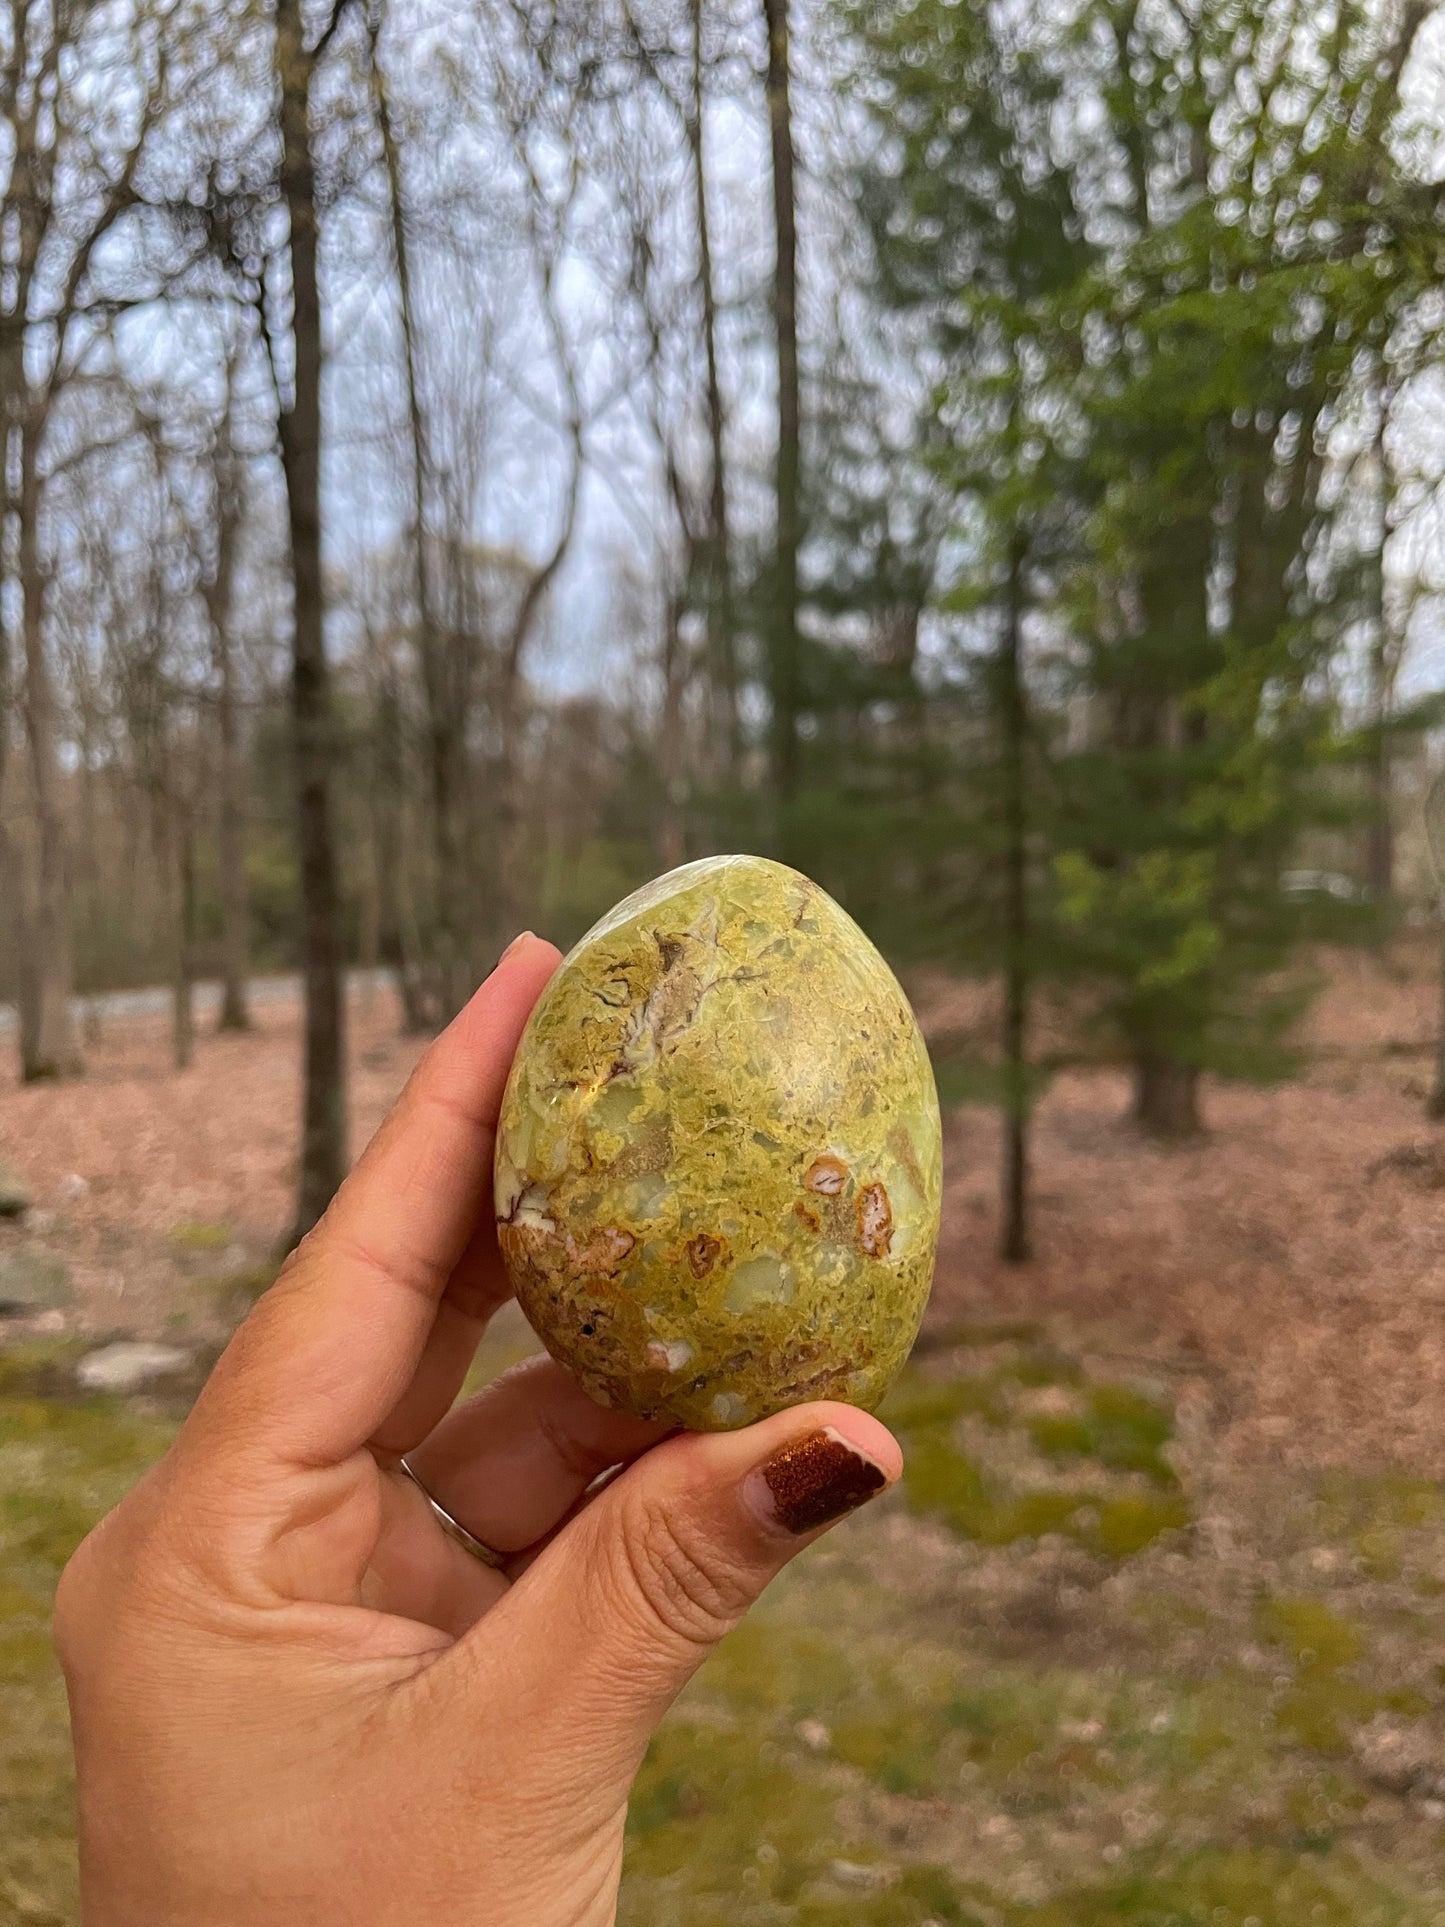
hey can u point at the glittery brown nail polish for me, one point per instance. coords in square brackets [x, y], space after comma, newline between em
[818, 1478]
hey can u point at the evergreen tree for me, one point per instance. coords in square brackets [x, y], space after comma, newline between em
[972, 235]
[1214, 345]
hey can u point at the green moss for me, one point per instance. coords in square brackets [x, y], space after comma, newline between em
[1325, 1703]
[39, 1367]
[1320, 1713]
[1039, 1367]
[1379, 1552]
[1120, 1428]
[1121, 1432]
[898, 1748]
[707, 1800]
[724, 1832]
[1128, 1525]
[43, 1526]
[194, 1235]
[1353, 1502]
[1003, 1333]
[1223, 1887]
[922, 1897]
[251, 1281]
[918, 1403]
[940, 1479]
[1317, 1639]
[765, 1667]
[1378, 1514]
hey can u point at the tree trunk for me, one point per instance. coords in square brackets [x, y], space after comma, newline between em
[452, 971]
[1435, 1104]
[11, 882]
[445, 720]
[783, 654]
[670, 834]
[1014, 1244]
[183, 884]
[1166, 1097]
[718, 576]
[47, 1033]
[1380, 835]
[1380, 831]
[231, 857]
[323, 1141]
[232, 778]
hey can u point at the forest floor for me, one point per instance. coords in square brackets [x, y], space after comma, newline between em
[1152, 1636]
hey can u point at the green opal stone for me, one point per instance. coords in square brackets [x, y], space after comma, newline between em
[719, 1161]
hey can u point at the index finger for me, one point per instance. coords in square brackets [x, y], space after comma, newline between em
[335, 1343]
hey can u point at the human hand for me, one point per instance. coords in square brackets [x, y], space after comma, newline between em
[294, 1698]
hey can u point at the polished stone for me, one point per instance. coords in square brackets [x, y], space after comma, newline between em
[718, 1166]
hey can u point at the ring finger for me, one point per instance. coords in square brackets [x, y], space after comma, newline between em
[510, 1464]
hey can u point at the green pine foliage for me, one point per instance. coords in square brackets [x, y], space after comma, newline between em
[1136, 282]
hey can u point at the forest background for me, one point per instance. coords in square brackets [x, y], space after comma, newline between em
[460, 461]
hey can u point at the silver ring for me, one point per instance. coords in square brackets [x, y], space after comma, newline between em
[453, 1529]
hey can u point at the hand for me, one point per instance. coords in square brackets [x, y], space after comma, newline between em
[295, 1699]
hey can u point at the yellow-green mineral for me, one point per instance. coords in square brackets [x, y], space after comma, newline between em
[718, 1166]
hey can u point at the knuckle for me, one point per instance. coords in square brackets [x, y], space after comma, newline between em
[682, 1585]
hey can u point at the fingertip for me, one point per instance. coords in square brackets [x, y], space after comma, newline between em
[797, 1471]
[527, 952]
[858, 1428]
[827, 1461]
[492, 1019]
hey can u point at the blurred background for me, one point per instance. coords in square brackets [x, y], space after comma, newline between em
[462, 459]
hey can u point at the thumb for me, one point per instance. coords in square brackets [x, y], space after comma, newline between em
[617, 1613]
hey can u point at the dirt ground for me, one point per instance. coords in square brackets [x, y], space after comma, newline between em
[1152, 1635]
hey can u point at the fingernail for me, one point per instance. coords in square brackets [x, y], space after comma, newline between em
[815, 1479]
[515, 944]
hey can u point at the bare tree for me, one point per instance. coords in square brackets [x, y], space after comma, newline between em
[218, 581]
[783, 638]
[323, 1133]
[476, 605]
[722, 626]
[72, 175]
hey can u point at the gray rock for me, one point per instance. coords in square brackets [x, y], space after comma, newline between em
[129, 1365]
[32, 1281]
[854, 1873]
[14, 1194]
